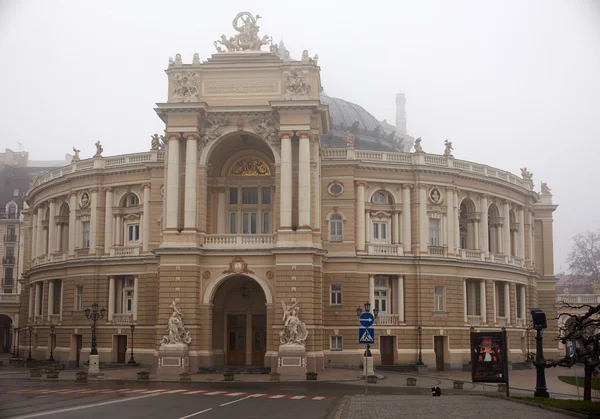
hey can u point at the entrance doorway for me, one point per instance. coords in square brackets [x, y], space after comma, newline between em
[121, 348]
[386, 345]
[438, 347]
[78, 346]
[236, 339]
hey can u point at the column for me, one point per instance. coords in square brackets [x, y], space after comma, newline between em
[62, 292]
[506, 228]
[450, 221]
[108, 221]
[33, 235]
[484, 232]
[367, 216]
[172, 190]
[400, 299]
[483, 301]
[146, 220]
[50, 299]
[360, 216]
[406, 219]
[423, 219]
[111, 297]
[372, 291]
[32, 291]
[532, 234]
[72, 222]
[38, 298]
[521, 234]
[507, 302]
[285, 192]
[465, 308]
[304, 180]
[396, 227]
[495, 303]
[221, 212]
[136, 281]
[523, 302]
[93, 221]
[52, 228]
[191, 182]
[456, 216]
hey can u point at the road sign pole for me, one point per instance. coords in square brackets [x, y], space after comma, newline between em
[367, 369]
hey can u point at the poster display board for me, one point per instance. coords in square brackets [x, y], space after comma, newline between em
[489, 357]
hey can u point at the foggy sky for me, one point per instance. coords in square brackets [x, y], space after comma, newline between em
[510, 83]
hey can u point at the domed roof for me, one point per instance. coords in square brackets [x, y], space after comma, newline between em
[369, 133]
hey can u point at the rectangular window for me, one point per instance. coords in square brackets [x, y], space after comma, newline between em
[233, 196]
[438, 299]
[381, 301]
[249, 223]
[335, 230]
[266, 226]
[266, 196]
[518, 302]
[85, 234]
[79, 298]
[381, 281]
[16, 192]
[249, 196]
[233, 223]
[336, 343]
[10, 233]
[10, 252]
[133, 233]
[8, 276]
[129, 302]
[336, 295]
[379, 232]
[434, 231]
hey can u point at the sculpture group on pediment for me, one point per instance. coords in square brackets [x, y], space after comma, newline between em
[294, 331]
[295, 84]
[247, 39]
[75, 155]
[212, 129]
[184, 86]
[267, 127]
[449, 148]
[526, 174]
[418, 147]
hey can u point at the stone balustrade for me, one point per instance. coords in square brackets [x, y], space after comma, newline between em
[474, 319]
[9, 298]
[388, 320]
[385, 250]
[238, 240]
[437, 251]
[578, 298]
[425, 159]
[122, 318]
[125, 251]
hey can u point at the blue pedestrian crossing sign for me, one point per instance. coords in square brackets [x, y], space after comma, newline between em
[366, 319]
[366, 335]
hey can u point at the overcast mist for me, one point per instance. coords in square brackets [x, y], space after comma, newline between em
[510, 83]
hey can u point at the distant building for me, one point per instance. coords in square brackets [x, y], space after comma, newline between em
[21, 159]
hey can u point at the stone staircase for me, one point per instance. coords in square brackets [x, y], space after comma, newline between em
[236, 369]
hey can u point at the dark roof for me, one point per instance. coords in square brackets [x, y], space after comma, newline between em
[16, 180]
[369, 133]
[575, 284]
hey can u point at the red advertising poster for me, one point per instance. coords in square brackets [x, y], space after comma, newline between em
[489, 357]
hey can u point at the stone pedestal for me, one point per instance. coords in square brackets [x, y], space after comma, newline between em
[94, 367]
[291, 362]
[368, 363]
[173, 360]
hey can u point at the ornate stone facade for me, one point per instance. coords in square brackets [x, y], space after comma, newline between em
[252, 208]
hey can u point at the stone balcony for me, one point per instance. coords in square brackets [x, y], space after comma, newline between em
[474, 319]
[9, 298]
[238, 241]
[388, 320]
[385, 249]
[122, 319]
[121, 251]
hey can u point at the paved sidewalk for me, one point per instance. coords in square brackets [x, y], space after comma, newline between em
[451, 407]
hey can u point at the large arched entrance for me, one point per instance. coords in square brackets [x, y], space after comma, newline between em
[239, 322]
[5, 334]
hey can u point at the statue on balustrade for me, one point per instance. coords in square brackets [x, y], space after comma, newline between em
[75, 155]
[99, 149]
[449, 148]
[418, 147]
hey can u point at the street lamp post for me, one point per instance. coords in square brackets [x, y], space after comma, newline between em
[538, 319]
[132, 361]
[30, 330]
[527, 331]
[368, 354]
[11, 335]
[420, 332]
[15, 352]
[51, 359]
[94, 314]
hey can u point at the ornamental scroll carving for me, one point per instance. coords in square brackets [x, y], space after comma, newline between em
[250, 166]
[247, 39]
[294, 331]
[185, 87]
[295, 84]
[175, 329]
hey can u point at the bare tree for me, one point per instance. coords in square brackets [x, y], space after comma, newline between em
[584, 258]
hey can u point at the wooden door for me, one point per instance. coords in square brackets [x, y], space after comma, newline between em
[121, 348]
[438, 347]
[386, 345]
[78, 346]
[259, 339]
[236, 339]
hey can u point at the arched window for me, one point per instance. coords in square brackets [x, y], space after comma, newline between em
[131, 200]
[12, 211]
[335, 228]
[380, 197]
[467, 230]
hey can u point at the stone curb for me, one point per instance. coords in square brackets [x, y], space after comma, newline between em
[154, 380]
[340, 408]
[541, 406]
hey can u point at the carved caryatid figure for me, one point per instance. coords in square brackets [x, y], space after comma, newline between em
[526, 174]
[176, 333]
[247, 39]
[449, 148]
[294, 331]
[418, 147]
[75, 155]
[99, 149]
